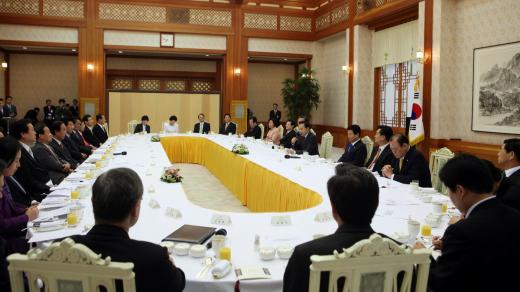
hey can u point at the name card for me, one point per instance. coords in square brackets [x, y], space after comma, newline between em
[174, 213]
[280, 220]
[323, 217]
[154, 204]
[220, 219]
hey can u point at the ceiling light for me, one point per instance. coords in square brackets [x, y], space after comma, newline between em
[285, 59]
[73, 50]
[119, 52]
[24, 48]
[207, 55]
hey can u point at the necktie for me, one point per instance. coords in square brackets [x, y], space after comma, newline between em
[350, 146]
[375, 159]
[226, 126]
[51, 152]
[401, 164]
[201, 127]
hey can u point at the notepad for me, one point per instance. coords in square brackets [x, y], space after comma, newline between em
[191, 234]
[251, 273]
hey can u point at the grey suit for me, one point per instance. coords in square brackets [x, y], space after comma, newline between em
[63, 153]
[50, 161]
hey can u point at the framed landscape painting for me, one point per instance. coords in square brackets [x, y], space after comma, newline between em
[496, 89]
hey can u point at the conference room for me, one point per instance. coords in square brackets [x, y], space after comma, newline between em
[259, 145]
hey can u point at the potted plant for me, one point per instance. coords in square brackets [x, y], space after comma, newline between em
[301, 95]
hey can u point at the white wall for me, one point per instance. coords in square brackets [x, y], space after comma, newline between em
[160, 64]
[363, 99]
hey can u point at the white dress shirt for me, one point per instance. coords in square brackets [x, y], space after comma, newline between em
[171, 128]
[510, 171]
[26, 147]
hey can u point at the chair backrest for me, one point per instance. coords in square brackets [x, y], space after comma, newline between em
[372, 265]
[131, 126]
[262, 129]
[312, 131]
[68, 267]
[280, 129]
[369, 144]
[438, 159]
[105, 126]
[326, 145]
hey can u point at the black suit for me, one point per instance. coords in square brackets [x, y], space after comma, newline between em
[276, 117]
[385, 158]
[18, 193]
[509, 190]
[49, 160]
[100, 133]
[49, 114]
[73, 148]
[91, 138]
[152, 267]
[414, 167]
[254, 132]
[309, 144]
[74, 110]
[479, 250]
[77, 138]
[10, 111]
[63, 153]
[139, 129]
[286, 140]
[205, 128]
[32, 176]
[231, 128]
[296, 277]
[356, 155]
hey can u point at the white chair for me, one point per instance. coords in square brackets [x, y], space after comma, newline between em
[262, 129]
[369, 144]
[312, 131]
[105, 126]
[68, 267]
[131, 126]
[326, 145]
[280, 129]
[371, 265]
[438, 159]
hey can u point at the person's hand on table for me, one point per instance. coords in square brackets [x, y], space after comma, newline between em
[32, 212]
[387, 171]
[437, 242]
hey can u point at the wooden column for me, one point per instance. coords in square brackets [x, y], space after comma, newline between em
[352, 15]
[427, 75]
[91, 83]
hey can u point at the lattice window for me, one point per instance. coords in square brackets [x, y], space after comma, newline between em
[31, 7]
[175, 85]
[261, 21]
[201, 86]
[125, 12]
[121, 84]
[365, 5]
[292, 23]
[63, 8]
[210, 17]
[149, 84]
[323, 21]
[339, 14]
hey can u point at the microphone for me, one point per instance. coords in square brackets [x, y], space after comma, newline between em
[120, 153]
[218, 232]
[287, 156]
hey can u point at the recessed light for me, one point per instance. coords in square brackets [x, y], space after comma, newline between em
[207, 55]
[285, 59]
[73, 50]
[24, 48]
[120, 52]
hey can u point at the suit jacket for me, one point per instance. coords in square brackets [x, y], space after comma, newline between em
[18, 193]
[91, 138]
[509, 190]
[63, 153]
[477, 251]
[385, 158]
[33, 178]
[286, 140]
[296, 277]
[205, 128]
[12, 221]
[49, 113]
[74, 111]
[276, 117]
[152, 267]
[254, 132]
[415, 167]
[232, 128]
[101, 135]
[2, 112]
[10, 111]
[139, 129]
[77, 137]
[50, 161]
[309, 144]
[73, 148]
[356, 155]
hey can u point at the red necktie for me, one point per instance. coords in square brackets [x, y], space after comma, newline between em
[375, 159]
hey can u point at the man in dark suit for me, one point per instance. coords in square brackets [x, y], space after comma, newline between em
[305, 141]
[88, 134]
[49, 113]
[488, 236]
[77, 136]
[354, 196]
[74, 109]
[59, 131]
[201, 127]
[62, 111]
[227, 126]
[116, 201]
[382, 155]
[143, 126]
[409, 164]
[275, 114]
[10, 108]
[99, 129]
[2, 112]
[72, 145]
[289, 134]
[31, 175]
[355, 151]
[254, 129]
[47, 158]
[509, 161]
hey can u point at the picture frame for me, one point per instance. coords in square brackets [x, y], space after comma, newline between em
[167, 40]
[496, 89]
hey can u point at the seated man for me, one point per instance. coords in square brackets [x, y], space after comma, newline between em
[77, 136]
[228, 127]
[70, 144]
[305, 141]
[477, 251]
[355, 151]
[289, 134]
[409, 164]
[254, 129]
[171, 126]
[59, 131]
[509, 161]
[116, 202]
[382, 155]
[201, 127]
[354, 196]
[143, 126]
[99, 129]
[88, 133]
[46, 156]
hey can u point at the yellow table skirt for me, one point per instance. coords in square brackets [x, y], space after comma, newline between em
[258, 188]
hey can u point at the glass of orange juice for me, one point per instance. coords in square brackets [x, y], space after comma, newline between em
[225, 253]
[72, 219]
[88, 175]
[426, 230]
[444, 208]
[74, 195]
[98, 164]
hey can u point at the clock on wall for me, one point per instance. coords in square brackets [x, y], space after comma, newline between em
[167, 40]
